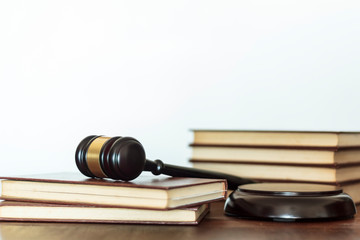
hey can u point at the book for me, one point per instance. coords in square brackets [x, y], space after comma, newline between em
[286, 172]
[146, 192]
[331, 140]
[43, 212]
[274, 155]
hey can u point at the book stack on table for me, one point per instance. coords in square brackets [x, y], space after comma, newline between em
[71, 197]
[282, 156]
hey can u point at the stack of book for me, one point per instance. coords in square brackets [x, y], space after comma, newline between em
[282, 156]
[70, 197]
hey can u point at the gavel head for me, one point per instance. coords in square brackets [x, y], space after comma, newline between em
[120, 158]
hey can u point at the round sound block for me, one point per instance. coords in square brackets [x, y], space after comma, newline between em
[289, 202]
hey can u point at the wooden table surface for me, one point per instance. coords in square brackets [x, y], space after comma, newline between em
[214, 226]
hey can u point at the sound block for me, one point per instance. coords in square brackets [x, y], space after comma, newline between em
[289, 202]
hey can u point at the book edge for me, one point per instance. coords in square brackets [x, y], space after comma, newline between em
[274, 131]
[290, 164]
[287, 147]
[194, 222]
[101, 182]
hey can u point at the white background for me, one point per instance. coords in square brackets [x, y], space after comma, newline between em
[154, 70]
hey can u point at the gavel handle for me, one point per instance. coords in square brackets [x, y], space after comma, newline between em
[158, 167]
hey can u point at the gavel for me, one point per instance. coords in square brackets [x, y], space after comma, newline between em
[123, 158]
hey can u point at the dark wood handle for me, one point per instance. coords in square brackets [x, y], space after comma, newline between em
[158, 167]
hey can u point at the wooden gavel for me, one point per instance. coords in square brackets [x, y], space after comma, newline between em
[123, 158]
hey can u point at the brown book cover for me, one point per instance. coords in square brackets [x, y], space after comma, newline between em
[275, 155]
[147, 192]
[320, 173]
[42, 212]
[325, 140]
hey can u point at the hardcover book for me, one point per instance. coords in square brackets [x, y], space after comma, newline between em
[275, 155]
[146, 192]
[296, 139]
[42, 212]
[330, 174]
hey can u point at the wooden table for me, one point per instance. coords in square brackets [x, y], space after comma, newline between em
[214, 226]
